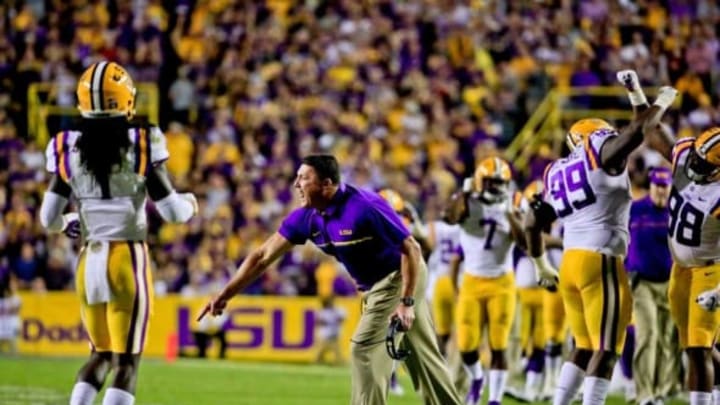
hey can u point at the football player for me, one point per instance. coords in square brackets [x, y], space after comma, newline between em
[589, 192]
[489, 224]
[110, 165]
[542, 330]
[444, 240]
[694, 239]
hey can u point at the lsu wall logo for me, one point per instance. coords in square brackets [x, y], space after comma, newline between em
[258, 327]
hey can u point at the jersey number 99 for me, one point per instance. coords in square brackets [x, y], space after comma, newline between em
[571, 189]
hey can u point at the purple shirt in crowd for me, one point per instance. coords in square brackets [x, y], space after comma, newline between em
[648, 253]
[358, 228]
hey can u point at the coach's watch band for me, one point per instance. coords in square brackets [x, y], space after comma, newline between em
[408, 301]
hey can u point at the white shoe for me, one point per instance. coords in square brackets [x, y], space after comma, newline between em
[630, 391]
[397, 390]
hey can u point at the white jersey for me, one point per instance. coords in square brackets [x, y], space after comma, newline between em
[330, 322]
[694, 229]
[121, 216]
[592, 206]
[486, 238]
[447, 240]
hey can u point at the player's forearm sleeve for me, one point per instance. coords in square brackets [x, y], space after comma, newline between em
[176, 208]
[51, 211]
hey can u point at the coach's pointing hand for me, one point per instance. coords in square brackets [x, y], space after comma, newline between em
[406, 314]
[215, 307]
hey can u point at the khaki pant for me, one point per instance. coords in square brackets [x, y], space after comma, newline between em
[370, 364]
[656, 360]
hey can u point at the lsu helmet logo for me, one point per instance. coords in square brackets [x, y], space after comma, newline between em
[105, 89]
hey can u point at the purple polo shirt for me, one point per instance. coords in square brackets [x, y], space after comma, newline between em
[648, 253]
[358, 228]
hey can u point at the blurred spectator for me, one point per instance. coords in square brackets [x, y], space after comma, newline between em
[9, 312]
[209, 328]
[57, 275]
[329, 320]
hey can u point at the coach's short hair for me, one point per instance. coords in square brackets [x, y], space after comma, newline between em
[326, 167]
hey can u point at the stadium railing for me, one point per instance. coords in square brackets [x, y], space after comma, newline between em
[561, 107]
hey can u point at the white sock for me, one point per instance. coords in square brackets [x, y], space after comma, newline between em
[496, 383]
[533, 382]
[700, 398]
[82, 394]
[716, 395]
[596, 390]
[571, 376]
[116, 396]
[554, 365]
[474, 371]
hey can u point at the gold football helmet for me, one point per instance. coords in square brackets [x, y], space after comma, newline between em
[533, 189]
[393, 198]
[397, 203]
[582, 129]
[105, 89]
[703, 164]
[492, 177]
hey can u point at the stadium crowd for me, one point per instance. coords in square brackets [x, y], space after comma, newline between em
[408, 95]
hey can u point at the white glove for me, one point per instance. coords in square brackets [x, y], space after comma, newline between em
[665, 98]
[629, 79]
[71, 225]
[546, 274]
[190, 197]
[709, 300]
[467, 185]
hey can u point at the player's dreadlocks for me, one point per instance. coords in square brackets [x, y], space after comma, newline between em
[102, 146]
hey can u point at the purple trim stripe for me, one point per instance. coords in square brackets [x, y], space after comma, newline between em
[146, 260]
[56, 154]
[137, 150]
[603, 315]
[66, 152]
[616, 313]
[131, 332]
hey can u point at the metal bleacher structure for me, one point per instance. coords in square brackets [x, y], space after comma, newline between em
[549, 121]
[45, 116]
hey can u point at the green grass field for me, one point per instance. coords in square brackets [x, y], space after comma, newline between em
[45, 381]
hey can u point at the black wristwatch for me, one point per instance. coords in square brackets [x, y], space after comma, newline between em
[408, 301]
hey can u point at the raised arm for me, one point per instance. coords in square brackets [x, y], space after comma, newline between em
[660, 138]
[614, 152]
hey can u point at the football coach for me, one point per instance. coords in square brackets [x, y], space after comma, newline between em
[362, 231]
